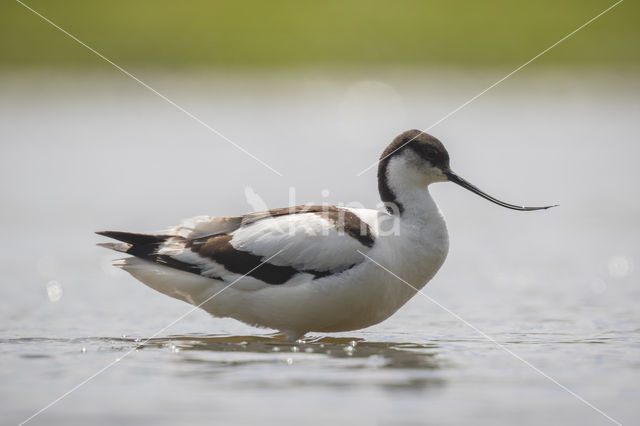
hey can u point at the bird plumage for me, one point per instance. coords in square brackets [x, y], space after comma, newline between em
[308, 268]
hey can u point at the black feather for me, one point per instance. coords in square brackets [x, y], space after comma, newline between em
[133, 238]
[146, 247]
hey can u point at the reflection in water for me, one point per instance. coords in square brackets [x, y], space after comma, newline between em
[272, 362]
[264, 360]
[378, 354]
[260, 361]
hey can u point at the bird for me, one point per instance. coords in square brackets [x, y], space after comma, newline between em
[310, 268]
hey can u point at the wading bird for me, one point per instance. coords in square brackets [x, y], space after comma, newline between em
[310, 268]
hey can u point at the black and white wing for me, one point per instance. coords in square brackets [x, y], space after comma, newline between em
[272, 247]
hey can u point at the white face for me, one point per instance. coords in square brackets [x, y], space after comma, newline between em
[413, 170]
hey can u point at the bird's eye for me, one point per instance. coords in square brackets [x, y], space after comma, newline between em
[431, 154]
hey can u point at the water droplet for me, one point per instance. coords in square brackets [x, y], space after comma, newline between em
[83, 350]
[349, 350]
[289, 361]
[54, 291]
[295, 349]
[325, 193]
[620, 266]
[353, 343]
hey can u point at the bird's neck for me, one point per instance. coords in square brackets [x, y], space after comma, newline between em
[418, 206]
[405, 191]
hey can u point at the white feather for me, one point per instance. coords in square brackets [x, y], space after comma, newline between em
[305, 241]
[202, 226]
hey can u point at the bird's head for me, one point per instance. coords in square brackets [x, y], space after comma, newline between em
[414, 160]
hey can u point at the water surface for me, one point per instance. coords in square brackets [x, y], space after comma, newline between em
[559, 289]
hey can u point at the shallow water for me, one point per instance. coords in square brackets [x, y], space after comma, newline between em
[555, 290]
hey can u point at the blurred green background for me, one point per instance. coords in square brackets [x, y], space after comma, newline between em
[333, 33]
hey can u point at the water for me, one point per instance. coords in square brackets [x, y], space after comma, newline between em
[558, 289]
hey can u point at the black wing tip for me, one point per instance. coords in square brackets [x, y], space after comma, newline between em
[145, 246]
[116, 235]
[134, 238]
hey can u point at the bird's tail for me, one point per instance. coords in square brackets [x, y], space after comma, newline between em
[140, 245]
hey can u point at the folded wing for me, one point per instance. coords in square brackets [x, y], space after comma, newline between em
[272, 247]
